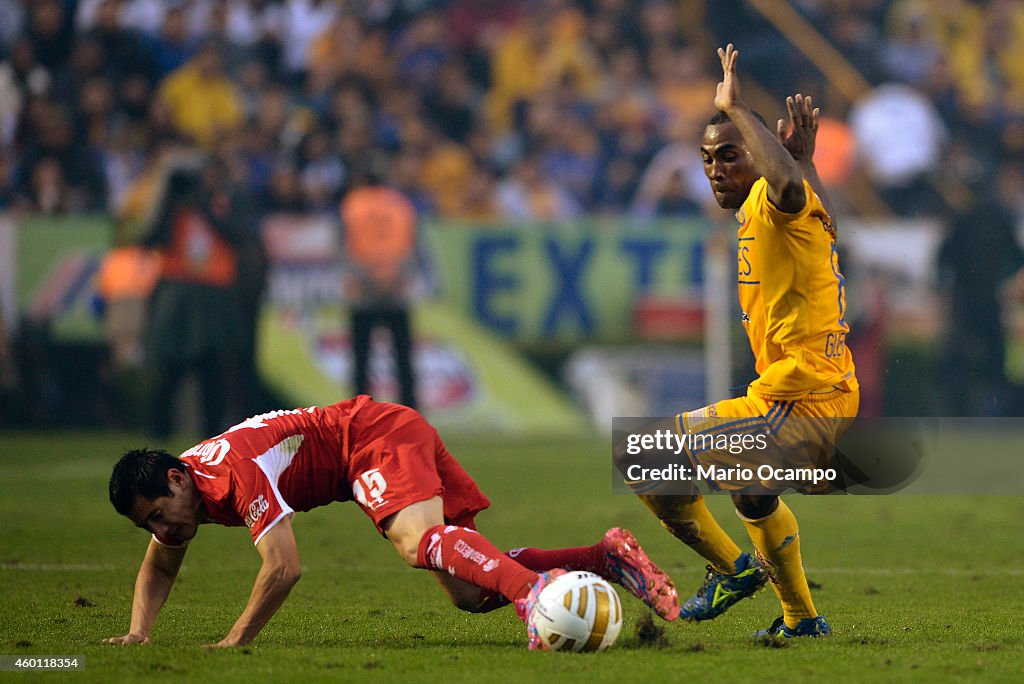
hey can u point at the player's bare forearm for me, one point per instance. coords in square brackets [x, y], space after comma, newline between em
[273, 584]
[153, 584]
[278, 574]
[770, 158]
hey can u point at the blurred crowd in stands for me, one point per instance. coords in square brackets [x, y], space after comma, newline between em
[496, 109]
[526, 111]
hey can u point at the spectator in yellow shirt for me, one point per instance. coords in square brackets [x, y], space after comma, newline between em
[201, 99]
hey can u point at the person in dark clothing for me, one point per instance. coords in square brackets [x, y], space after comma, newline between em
[978, 256]
[252, 280]
[195, 321]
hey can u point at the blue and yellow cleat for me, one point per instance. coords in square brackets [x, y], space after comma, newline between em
[807, 627]
[720, 590]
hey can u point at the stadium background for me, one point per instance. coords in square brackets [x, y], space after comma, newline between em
[550, 148]
[570, 261]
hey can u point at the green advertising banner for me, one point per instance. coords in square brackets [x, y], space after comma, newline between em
[468, 379]
[56, 264]
[530, 285]
[564, 285]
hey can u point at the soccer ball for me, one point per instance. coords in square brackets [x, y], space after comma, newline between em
[578, 611]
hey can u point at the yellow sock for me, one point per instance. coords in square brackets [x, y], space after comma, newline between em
[777, 540]
[690, 521]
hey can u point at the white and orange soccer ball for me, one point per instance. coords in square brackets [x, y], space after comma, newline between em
[578, 611]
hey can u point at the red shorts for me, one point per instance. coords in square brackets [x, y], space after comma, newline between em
[396, 459]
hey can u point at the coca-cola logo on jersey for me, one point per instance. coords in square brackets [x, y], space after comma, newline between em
[256, 510]
[209, 453]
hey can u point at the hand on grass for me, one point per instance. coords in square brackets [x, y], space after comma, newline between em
[223, 643]
[128, 639]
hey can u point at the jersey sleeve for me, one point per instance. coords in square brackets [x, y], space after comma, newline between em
[773, 216]
[257, 499]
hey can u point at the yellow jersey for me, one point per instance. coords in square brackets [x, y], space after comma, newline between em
[793, 298]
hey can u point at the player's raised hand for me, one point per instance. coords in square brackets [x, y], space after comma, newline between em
[802, 132]
[728, 93]
[128, 639]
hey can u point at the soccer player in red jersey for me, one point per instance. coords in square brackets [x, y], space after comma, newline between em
[388, 459]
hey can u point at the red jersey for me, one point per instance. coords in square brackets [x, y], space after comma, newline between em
[384, 456]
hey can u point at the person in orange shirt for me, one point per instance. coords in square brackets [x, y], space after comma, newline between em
[792, 294]
[125, 281]
[379, 229]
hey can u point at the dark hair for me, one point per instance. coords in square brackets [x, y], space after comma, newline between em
[141, 472]
[721, 117]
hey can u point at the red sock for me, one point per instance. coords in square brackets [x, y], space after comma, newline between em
[589, 558]
[466, 554]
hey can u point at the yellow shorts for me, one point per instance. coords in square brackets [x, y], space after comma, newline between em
[749, 443]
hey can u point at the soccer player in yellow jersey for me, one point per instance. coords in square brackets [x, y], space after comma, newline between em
[792, 296]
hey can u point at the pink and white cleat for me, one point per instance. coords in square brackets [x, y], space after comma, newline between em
[630, 567]
[524, 607]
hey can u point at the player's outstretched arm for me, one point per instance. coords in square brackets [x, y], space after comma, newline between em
[152, 586]
[800, 142]
[771, 160]
[278, 574]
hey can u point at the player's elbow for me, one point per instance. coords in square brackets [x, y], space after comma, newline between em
[286, 574]
[791, 197]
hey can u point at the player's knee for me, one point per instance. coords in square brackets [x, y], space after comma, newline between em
[408, 549]
[407, 544]
[407, 527]
[755, 507]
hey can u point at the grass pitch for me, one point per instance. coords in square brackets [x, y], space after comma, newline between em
[915, 587]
